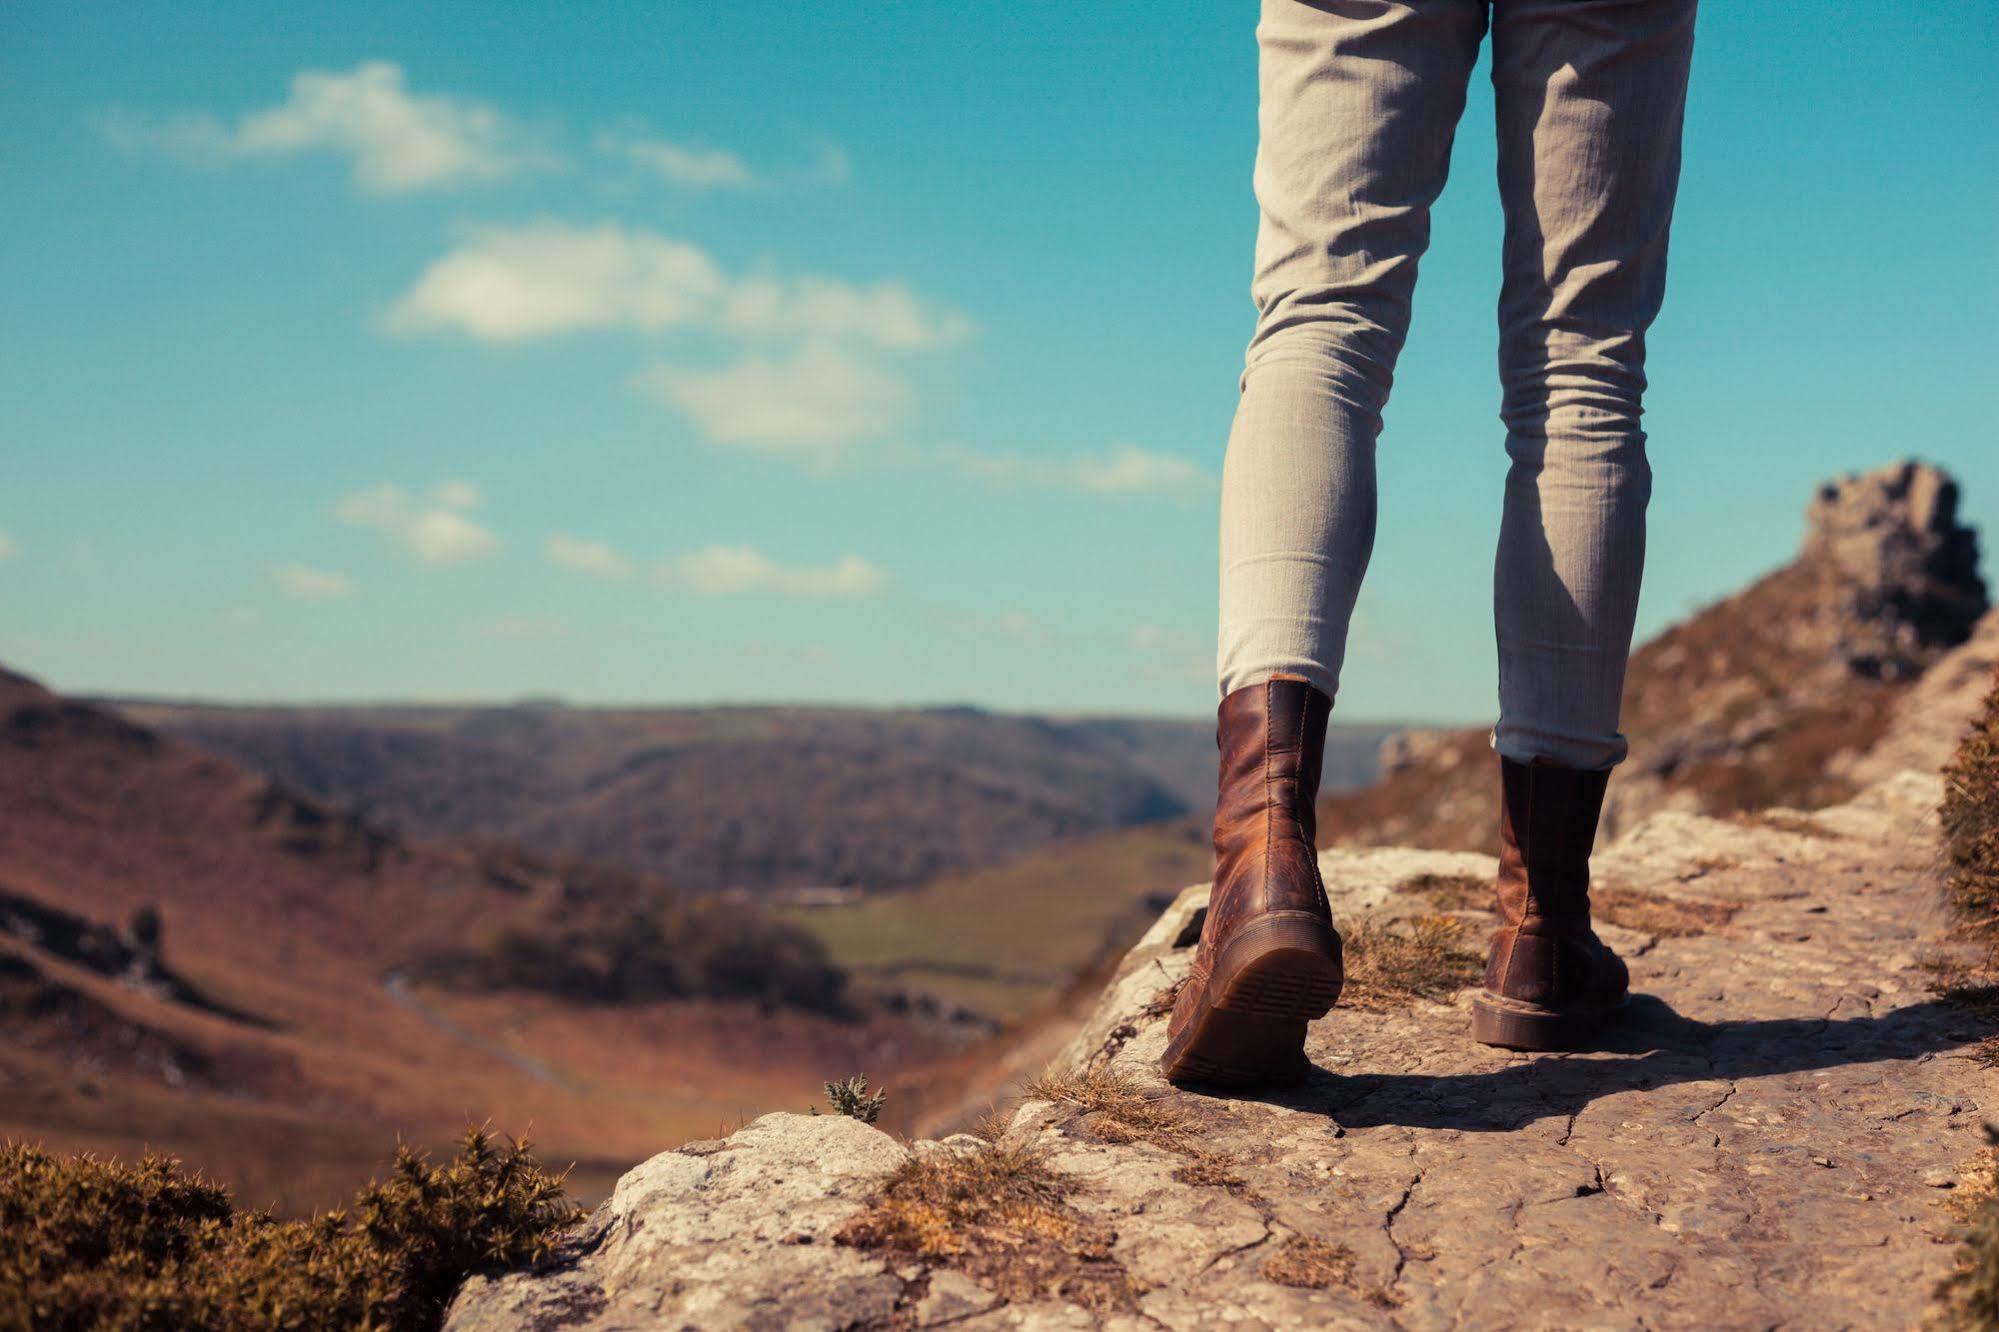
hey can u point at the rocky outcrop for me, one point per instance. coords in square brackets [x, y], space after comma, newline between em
[1767, 697]
[1765, 1142]
[1900, 572]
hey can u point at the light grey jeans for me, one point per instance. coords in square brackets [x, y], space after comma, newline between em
[1359, 102]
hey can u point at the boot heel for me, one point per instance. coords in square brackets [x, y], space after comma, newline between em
[1513, 1024]
[1285, 965]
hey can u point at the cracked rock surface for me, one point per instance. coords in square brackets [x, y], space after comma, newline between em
[1750, 1149]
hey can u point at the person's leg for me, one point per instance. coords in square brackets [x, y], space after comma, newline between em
[1589, 98]
[1358, 103]
[1359, 99]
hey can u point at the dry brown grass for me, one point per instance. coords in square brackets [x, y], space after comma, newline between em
[1969, 814]
[1115, 1107]
[1452, 892]
[1652, 913]
[1968, 1295]
[1000, 1214]
[1425, 957]
[1313, 1264]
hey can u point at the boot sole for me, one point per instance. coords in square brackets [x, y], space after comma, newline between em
[1276, 975]
[1515, 1024]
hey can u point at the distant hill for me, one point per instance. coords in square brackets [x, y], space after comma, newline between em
[756, 799]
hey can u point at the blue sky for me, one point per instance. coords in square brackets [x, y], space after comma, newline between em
[875, 353]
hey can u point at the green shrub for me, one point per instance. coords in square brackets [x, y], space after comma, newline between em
[86, 1243]
[1970, 818]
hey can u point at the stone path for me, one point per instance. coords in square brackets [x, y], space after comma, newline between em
[1763, 1145]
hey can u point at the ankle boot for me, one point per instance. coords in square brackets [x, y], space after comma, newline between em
[1549, 981]
[1269, 959]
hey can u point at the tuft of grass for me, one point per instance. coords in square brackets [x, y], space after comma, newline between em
[849, 1097]
[1969, 815]
[1452, 892]
[1115, 1107]
[89, 1243]
[1313, 1264]
[999, 1213]
[1387, 967]
[1968, 1295]
[1652, 913]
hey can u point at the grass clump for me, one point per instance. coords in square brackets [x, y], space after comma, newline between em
[88, 1243]
[849, 1097]
[1652, 913]
[1968, 1295]
[1313, 1264]
[1452, 892]
[1969, 815]
[1387, 967]
[999, 1213]
[1115, 1107]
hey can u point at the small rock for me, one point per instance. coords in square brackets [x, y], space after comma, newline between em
[1939, 1178]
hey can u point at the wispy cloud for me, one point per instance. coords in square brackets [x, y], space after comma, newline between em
[505, 284]
[687, 166]
[306, 583]
[716, 571]
[810, 405]
[1123, 469]
[595, 559]
[398, 141]
[7, 547]
[436, 531]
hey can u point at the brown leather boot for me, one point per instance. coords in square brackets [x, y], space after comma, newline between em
[1549, 981]
[1269, 959]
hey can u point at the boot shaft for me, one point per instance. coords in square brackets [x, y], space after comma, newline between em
[1271, 743]
[1547, 827]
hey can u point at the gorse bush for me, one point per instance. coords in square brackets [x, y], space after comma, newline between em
[1970, 817]
[86, 1243]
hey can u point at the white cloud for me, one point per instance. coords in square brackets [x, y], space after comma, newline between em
[7, 547]
[397, 140]
[727, 570]
[436, 532]
[505, 284]
[680, 164]
[1123, 469]
[309, 584]
[886, 314]
[594, 558]
[810, 404]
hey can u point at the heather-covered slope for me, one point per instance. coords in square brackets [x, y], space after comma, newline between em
[195, 957]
